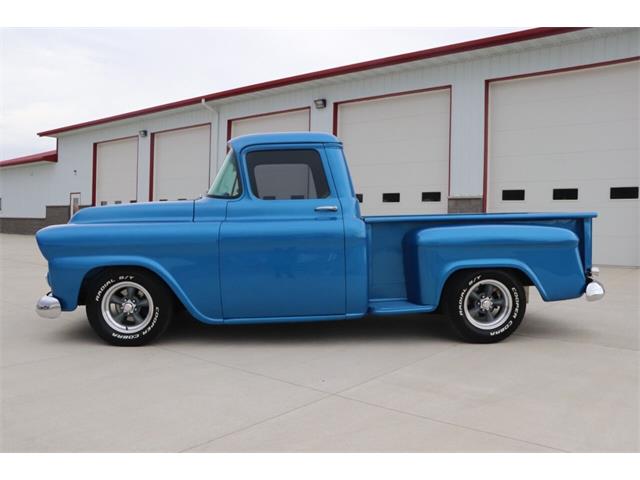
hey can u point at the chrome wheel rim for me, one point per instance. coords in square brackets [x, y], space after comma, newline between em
[487, 304]
[127, 307]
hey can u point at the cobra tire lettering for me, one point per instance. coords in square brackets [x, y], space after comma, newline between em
[124, 337]
[503, 329]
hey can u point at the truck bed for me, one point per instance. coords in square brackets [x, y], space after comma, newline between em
[392, 285]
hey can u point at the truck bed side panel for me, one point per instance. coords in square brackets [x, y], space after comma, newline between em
[386, 251]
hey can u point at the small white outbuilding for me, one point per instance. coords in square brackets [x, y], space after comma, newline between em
[545, 119]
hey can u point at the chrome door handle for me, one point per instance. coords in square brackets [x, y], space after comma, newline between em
[327, 208]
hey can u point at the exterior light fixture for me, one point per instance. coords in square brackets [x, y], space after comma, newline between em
[142, 133]
[320, 103]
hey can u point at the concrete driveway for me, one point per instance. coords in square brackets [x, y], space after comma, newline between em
[566, 381]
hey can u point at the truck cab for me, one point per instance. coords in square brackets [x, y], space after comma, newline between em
[291, 228]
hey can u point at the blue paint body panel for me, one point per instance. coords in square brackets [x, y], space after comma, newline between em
[248, 260]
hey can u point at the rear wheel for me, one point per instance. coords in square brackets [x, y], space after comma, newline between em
[485, 306]
[128, 307]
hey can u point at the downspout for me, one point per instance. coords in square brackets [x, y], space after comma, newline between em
[203, 102]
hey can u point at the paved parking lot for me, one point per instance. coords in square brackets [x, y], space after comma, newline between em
[568, 380]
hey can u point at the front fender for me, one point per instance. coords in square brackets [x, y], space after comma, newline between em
[67, 274]
[184, 255]
[549, 256]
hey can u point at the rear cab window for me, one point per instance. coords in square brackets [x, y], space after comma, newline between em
[287, 175]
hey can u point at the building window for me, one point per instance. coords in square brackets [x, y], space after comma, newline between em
[621, 193]
[565, 193]
[287, 175]
[431, 196]
[512, 195]
[359, 197]
[391, 197]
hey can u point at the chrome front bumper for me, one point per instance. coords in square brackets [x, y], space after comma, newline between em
[48, 306]
[594, 290]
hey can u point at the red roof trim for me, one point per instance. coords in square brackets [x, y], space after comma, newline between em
[50, 156]
[487, 42]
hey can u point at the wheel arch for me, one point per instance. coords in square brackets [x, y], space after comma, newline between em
[97, 267]
[97, 271]
[523, 274]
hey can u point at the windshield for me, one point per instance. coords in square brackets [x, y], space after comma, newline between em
[227, 182]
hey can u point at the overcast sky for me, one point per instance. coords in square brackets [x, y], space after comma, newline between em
[54, 77]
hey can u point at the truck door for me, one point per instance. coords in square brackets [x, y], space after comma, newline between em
[282, 243]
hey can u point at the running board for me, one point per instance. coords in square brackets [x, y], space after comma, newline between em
[397, 307]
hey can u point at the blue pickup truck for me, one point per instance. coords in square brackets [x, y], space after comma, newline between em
[279, 238]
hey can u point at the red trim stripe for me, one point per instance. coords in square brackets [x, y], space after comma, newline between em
[152, 152]
[49, 156]
[94, 174]
[497, 40]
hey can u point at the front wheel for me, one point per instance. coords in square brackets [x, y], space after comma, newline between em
[128, 306]
[485, 306]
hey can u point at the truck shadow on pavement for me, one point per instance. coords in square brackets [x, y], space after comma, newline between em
[370, 329]
[185, 329]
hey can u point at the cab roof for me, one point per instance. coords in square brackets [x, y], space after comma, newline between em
[238, 143]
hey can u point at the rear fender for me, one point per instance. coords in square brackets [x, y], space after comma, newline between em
[548, 256]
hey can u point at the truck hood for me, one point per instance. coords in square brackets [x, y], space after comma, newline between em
[181, 211]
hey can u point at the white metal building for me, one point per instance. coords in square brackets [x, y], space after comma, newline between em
[540, 120]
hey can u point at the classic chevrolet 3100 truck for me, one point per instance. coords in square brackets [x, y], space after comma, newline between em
[280, 238]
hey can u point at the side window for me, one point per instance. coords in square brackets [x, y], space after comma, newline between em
[287, 175]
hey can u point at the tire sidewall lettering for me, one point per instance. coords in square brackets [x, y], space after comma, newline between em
[511, 319]
[120, 336]
[516, 303]
[102, 289]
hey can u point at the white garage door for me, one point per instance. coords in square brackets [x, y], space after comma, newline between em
[398, 151]
[292, 121]
[569, 142]
[181, 163]
[116, 174]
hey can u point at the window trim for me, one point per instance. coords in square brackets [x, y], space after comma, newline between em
[276, 147]
[239, 174]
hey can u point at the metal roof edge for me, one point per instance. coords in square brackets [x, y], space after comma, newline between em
[486, 42]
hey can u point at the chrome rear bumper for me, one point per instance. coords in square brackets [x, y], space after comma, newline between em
[48, 306]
